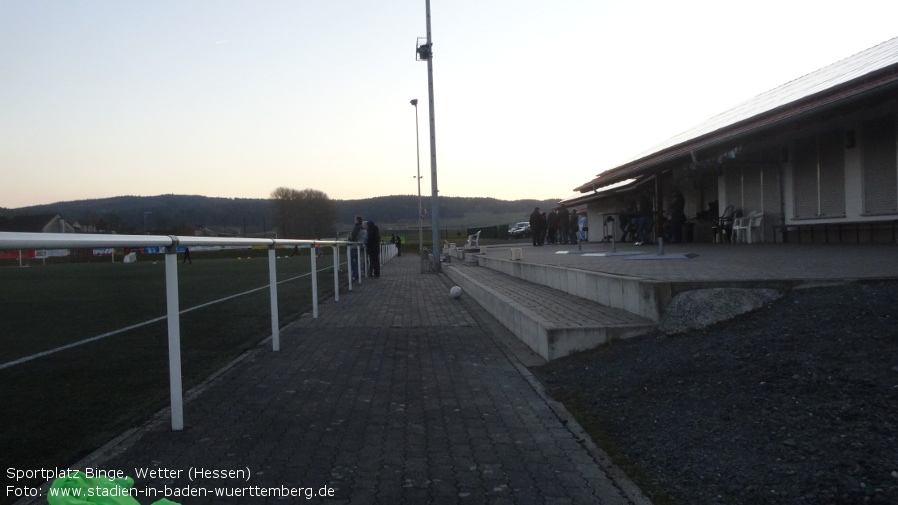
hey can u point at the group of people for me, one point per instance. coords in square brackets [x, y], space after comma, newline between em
[397, 241]
[367, 233]
[637, 222]
[559, 226]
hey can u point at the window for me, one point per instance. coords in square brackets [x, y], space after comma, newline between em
[880, 167]
[818, 170]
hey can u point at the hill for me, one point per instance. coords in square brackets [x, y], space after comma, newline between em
[183, 214]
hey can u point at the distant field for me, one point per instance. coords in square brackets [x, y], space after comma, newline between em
[58, 408]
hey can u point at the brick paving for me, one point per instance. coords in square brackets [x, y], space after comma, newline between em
[395, 394]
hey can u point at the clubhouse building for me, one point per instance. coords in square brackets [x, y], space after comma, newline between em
[814, 160]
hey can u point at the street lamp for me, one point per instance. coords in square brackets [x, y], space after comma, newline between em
[420, 202]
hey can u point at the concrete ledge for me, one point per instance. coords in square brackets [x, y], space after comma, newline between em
[533, 323]
[644, 298]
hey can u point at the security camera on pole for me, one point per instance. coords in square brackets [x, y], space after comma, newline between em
[424, 52]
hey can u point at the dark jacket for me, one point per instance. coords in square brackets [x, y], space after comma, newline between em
[373, 237]
[534, 220]
[564, 217]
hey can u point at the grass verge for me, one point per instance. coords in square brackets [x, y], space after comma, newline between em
[578, 404]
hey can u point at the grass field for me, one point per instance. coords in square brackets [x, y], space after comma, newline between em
[58, 408]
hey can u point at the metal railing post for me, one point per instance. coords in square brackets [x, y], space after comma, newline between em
[174, 336]
[336, 252]
[364, 250]
[349, 264]
[314, 282]
[361, 263]
[273, 291]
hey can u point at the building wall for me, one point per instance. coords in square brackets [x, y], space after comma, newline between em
[841, 171]
[876, 174]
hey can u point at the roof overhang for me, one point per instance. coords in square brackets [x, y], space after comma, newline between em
[615, 189]
[871, 73]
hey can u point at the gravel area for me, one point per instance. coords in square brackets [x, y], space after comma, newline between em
[793, 403]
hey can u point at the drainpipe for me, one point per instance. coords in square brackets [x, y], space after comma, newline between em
[659, 205]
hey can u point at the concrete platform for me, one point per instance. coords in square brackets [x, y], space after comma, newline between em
[552, 323]
[601, 278]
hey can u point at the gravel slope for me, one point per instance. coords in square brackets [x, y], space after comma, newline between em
[795, 403]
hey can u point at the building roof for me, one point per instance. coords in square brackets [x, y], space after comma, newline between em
[869, 70]
[29, 224]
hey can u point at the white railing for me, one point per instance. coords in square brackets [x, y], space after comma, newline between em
[170, 243]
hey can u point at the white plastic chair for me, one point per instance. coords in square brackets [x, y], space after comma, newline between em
[740, 227]
[473, 241]
[756, 223]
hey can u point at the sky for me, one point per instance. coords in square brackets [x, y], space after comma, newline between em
[226, 98]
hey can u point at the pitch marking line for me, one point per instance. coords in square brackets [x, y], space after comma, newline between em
[138, 325]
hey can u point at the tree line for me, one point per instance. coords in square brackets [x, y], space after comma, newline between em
[287, 213]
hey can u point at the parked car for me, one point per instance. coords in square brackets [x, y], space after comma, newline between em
[520, 230]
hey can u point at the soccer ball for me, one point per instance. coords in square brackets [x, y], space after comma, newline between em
[455, 292]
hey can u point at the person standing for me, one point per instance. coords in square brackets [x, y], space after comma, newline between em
[564, 225]
[677, 217]
[373, 248]
[187, 256]
[552, 223]
[643, 222]
[358, 234]
[356, 228]
[398, 245]
[535, 227]
[583, 226]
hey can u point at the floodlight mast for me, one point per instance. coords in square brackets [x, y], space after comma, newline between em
[425, 52]
[420, 202]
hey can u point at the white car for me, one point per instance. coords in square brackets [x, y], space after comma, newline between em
[519, 230]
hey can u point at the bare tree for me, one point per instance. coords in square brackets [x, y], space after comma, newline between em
[308, 213]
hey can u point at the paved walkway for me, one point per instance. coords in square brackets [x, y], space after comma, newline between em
[394, 394]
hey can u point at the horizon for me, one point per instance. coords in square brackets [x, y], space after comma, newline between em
[425, 197]
[236, 99]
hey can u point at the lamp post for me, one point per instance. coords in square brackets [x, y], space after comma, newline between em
[420, 202]
[425, 53]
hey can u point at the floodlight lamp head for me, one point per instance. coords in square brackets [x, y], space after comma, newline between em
[423, 50]
[414, 102]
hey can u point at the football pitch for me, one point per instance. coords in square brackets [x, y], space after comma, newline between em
[59, 407]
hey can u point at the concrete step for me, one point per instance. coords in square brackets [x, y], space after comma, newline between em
[551, 322]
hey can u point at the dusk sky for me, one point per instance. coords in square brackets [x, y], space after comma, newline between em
[236, 98]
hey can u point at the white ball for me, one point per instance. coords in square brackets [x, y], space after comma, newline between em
[455, 292]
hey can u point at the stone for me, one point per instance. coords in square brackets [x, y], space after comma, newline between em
[700, 308]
